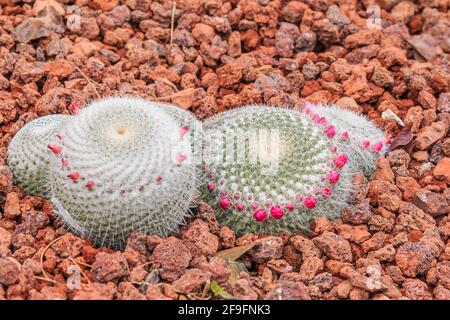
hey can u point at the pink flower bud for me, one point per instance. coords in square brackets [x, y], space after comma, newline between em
[260, 215]
[316, 118]
[64, 163]
[276, 212]
[333, 149]
[225, 203]
[180, 158]
[183, 131]
[90, 184]
[323, 121]
[326, 192]
[366, 144]
[333, 177]
[310, 202]
[377, 146]
[73, 107]
[158, 179]
[240, 207]
[290, 207]
[345, 135]
[330, 131]
[211, 186]
[74, 176]
[54, 149]
[340, 160]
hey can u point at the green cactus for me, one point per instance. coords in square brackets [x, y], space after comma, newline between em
[28, 153]
[361, 139]
[270, 170]
[124, 165]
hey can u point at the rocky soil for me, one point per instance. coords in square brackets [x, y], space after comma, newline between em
[391, 243]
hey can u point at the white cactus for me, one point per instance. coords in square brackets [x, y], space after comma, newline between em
[123, 167]
[28, 153]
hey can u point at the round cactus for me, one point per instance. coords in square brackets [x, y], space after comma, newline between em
[361, 139]
[28, 153]
[270, 170]
[123, 165]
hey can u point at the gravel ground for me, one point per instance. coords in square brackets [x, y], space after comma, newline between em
[391, 243]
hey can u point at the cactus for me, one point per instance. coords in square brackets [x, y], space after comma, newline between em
[123, 165]
[270, 170]
[28, 156]
[361, 139]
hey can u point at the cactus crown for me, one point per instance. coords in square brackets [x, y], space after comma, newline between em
[271, 170]
[28, 155]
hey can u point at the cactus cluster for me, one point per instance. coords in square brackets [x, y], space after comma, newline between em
[270, 170]
[122, 165]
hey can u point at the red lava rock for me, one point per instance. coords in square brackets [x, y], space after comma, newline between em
[12, 208]
[429, 135]
[5, 182]
[68, 246]
[9, 271]
[128, 292]
[242, 290]
[432, 203]
[154, 293]
[285, 39]
[305, 246]
[310, 267]
[334, 246]
[288, 291]
[198, 237]
[109, 267]
[227, 237]
[191, 281]
[442, 170]
[96, 291]
[173, 257]
[414, 258]
[266, 249]
[415, 289]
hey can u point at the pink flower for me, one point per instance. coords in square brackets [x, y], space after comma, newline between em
[180, 158]
[289, 207]
[210, 186]
[183, 131]
[377, 146]
[345, 135]
[74, 108]
[330, 131]
[316, 118]
[240, 207]
[333, 177]
[310, 202]
[340, 160]
[260, 215]
[366, 143]
[54, 149]
[326, 192]
[74, 176]
[90, 184]
[276, 212]
[225, 203]
[323, 121]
